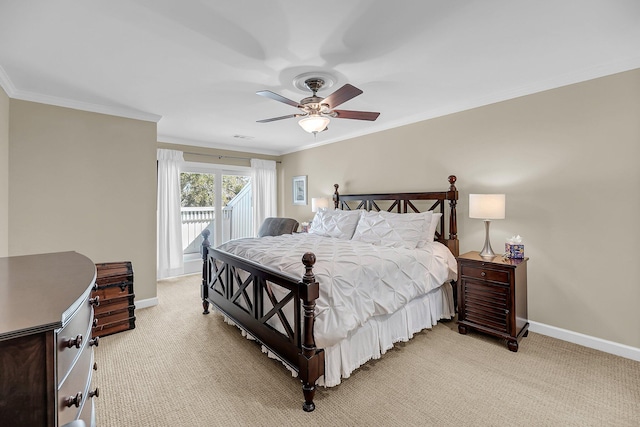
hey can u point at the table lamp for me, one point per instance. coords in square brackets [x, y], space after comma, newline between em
[318, 203]
[487, 207]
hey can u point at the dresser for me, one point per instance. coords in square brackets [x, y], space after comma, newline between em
[492, 296]
[46, 347]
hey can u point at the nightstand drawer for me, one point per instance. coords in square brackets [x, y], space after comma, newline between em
[485, 273]
[486, 304]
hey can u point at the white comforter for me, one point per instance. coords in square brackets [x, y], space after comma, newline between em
[357, 280]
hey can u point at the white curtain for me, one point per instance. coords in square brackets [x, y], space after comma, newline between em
[170, 261]
[263, 181]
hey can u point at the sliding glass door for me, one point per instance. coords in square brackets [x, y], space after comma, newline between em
[217, 198]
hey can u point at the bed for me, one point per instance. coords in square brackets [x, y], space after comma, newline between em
[376, 270]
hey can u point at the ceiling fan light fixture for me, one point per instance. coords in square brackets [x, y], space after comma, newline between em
[314, 124]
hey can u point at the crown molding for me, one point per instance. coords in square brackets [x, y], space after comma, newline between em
[6, 83]
[127, 113]
[566, 79]
[555, 82]
[169, 139]
[23, 95]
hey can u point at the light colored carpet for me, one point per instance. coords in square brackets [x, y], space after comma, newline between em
[181, 368]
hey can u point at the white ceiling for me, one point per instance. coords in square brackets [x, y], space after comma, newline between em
[194, 66]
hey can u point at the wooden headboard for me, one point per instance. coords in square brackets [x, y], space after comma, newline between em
[404, 203]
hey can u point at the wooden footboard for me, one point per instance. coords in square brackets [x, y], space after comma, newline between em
[254, 297]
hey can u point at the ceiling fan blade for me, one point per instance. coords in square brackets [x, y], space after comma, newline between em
[358, 115]
[343, 94]
[279, 118]
[276, 97]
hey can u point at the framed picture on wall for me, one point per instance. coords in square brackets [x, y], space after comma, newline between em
[300, 190]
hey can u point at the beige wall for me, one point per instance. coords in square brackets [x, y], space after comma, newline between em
[567, 159]
[85, 182]
[4, 173]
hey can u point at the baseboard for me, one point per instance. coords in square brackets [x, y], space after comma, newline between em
[610, 347]
[145, 303]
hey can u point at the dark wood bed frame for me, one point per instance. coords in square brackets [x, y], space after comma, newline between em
[242, 300]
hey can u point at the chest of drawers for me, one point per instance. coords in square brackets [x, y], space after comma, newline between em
[492, 297]
[46, 347]
[114, 289]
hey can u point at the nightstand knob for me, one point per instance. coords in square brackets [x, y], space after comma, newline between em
[506, 311]
[483, 274]
[94, 301]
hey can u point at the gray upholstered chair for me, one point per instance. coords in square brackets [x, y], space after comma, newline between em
[277, 226]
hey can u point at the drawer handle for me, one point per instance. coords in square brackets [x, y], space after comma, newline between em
[483, 274]
[95, 322]
[95, 287]
[95, 393]
[94, 341]
[94, 301]
[73, 400]
[74, 342]
[95, 366]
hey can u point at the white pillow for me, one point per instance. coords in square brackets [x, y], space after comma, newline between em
[392, 229]
[435, 221]
[335, 223]
[430, 224]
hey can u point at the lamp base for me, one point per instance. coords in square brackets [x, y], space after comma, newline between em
[486, 250]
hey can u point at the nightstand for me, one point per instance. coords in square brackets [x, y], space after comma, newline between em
[492, 296]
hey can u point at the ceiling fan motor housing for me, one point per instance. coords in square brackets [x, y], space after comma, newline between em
[314, 84]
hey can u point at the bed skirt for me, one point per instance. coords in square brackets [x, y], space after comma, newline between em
[379, 334]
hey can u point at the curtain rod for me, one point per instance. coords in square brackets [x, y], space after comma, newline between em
[220, 157]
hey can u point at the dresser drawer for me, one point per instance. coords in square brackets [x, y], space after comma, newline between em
[72, 337]
[479, 272]
[75, 387]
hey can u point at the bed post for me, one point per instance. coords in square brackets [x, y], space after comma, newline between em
[311, 359]
[336, 197]
[204, 251]
[452, 195]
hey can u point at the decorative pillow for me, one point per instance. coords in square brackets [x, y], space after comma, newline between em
[335, 223]
[393, 229]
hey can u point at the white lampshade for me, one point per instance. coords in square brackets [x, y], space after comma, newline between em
[487, 206]
[318, 203]
[314, 124]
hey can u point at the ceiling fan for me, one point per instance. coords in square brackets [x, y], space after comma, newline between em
[317, 111]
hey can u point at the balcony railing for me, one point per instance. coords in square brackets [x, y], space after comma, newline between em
[237, 221]
[194, 220]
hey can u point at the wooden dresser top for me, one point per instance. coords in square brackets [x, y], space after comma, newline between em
[41, 292]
